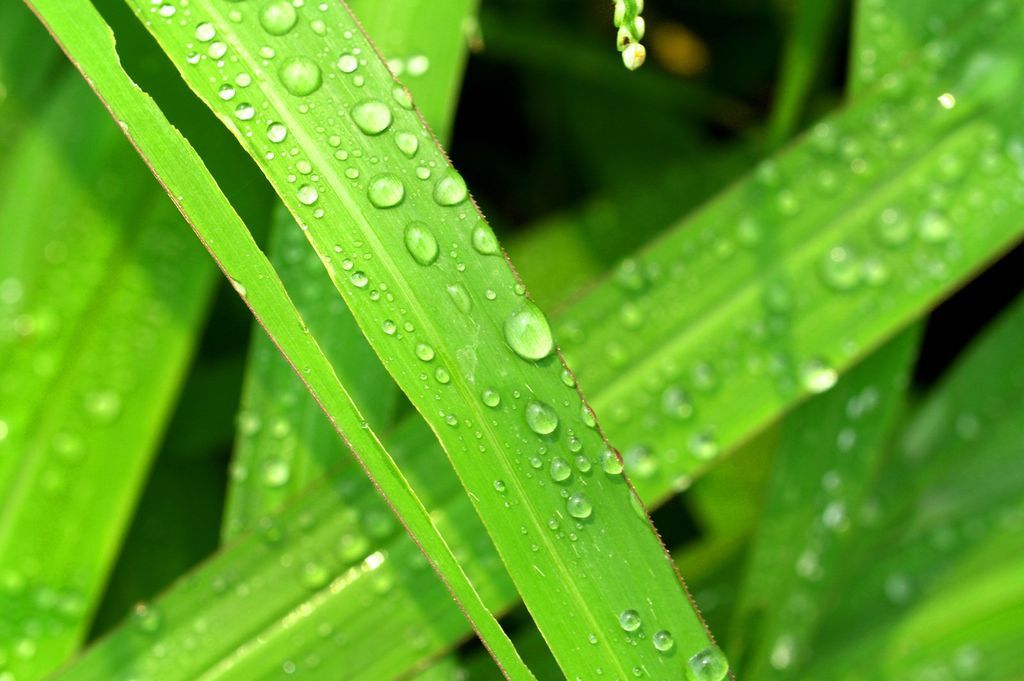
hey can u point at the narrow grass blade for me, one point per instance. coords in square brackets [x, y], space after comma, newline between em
[284, 441]
[101, 298]
[934, 582]
[425, 280]
[83, 34]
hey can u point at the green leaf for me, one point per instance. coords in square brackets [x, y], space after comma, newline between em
[934, 579]
[828, 456]
[284, 440]
[387, 233]
[83, 34]
[101, 297]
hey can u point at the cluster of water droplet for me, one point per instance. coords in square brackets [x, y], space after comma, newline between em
[631, 29]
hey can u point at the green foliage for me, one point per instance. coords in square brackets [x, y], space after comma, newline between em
[836, 514]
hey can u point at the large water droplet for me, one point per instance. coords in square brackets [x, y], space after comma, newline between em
[300, 76]
[541, 418]
[707, 665]
[386, 190]
[484, 240]
[490, 397]
[528, 334]
[610, 462]
[372, 117]
[663, 641]
[578, 506]
[450, 190]
[629, 620]
[205, 32]
[460, 297]
[307, 194]
[420, 243]
[817, 376]
[560, 469]
[277, 18]
[276, 132]
[407, 143]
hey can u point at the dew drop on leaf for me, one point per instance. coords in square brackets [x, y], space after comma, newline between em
[300, 76]
[707, 665]
[818, 376]
[490, 397]
[307, 194]
[372, 117]
[528, 334]
[277, 18]
[663, 641]
[450, 190]
[386, 190]
[559, 469]
[629, 620]
[541, 418]
[484, 241]
[420, 243]
[276, 132]
[578, 506]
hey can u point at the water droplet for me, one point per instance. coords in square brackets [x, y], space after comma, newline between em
[541, 418]
[460, 297]
[490, 397]
[528, 334]
[147, 618]
[704, 445]
[841, 271]
[386, 190]
[629, 620]
[277, 18]
[610, 462]
[372, 117]
[663, 641]
[402, 97]
[559, 469]
[307, 194]
[450, 190]
[583, 464]
[499, 486]
[442, 376]
[484, 240]
[300, 76]
[103, 405]
[578, 506]
[676, 403]
[348, 63]
[359, 279]
[389, 327]
[934, 228]
[818, 376]
[276, 473]
[424, 352]
[707, 665]
[226, 92]
[205, 32]
[276, 132]
[407, 143]
[420, 243]
[245, 111]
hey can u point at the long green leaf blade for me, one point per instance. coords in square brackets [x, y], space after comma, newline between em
[84, 36]
[420, 270]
